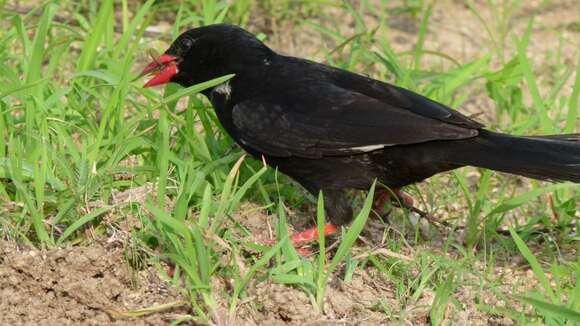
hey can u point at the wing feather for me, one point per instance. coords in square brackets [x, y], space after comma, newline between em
[334, 122]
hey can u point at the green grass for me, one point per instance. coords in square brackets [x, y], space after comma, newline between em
[76, 129]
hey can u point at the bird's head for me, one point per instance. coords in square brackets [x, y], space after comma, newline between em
[204, 53]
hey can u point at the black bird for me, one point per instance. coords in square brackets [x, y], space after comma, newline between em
[331, 129]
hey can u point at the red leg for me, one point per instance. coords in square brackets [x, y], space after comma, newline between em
[406, 199]
[382, 196]
[306, 236]
[312, 234]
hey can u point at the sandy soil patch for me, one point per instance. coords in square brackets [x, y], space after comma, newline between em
[80, 286]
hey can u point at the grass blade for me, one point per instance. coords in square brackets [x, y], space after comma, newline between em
[538, 271]
[80, 222]
[89, 48]
[441, 300]
[347, 242]
[539, 104]
[554, 310]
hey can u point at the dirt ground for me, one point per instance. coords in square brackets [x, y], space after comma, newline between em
[94, 285]
[80, 286]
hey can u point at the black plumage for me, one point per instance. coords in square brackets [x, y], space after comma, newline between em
[333, 130]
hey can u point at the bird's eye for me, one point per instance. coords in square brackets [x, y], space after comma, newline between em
[187, 43]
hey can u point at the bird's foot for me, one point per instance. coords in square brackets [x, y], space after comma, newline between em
[311, 234]
[307, 236]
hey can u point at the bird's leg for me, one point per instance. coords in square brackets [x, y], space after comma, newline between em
[336, 206]
[382, 196]
[405, 201]
[306, 236]
[404, 197]
[311, 234]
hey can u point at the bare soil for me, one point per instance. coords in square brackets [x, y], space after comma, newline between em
[80, 286]
[95, 285]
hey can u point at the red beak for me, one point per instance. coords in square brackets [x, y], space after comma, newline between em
[163, 69]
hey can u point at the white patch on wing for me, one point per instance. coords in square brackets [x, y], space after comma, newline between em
[368, 148]
[224, 89]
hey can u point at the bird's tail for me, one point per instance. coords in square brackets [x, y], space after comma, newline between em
[555, 158]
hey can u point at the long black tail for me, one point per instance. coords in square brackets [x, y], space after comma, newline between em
[555, 158]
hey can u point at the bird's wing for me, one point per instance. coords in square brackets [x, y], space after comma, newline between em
[325, 120]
